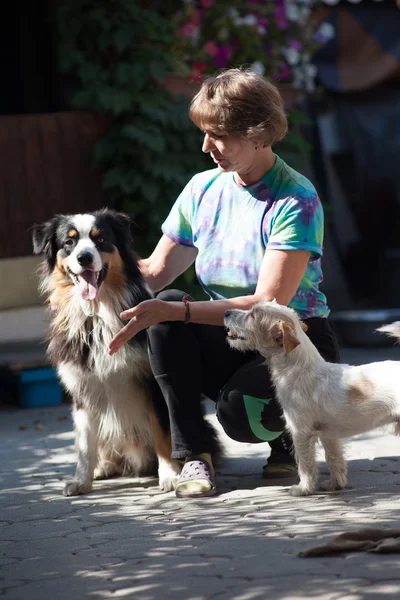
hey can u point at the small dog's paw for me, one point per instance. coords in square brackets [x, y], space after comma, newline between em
[168, 475]
[332, 485]
[298, 490]
[77, 487]
[168, 484]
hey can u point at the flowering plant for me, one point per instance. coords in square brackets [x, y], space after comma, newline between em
[274, 37]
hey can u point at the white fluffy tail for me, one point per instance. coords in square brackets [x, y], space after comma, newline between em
[393, 330]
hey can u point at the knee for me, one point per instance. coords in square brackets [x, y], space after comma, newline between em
[231, 414]
[171, 295]
[166, 329]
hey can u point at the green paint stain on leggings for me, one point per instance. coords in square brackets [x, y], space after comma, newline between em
[254, 408]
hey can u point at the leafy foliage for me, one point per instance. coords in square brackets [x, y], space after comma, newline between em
[119, 52]
[277, 37]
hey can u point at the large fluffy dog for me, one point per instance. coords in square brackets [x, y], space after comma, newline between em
[319, 399]
[90, 275]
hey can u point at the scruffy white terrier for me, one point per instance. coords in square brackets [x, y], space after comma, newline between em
[319, 399]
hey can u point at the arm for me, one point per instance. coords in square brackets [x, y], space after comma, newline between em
[280, 276]
[166, 263]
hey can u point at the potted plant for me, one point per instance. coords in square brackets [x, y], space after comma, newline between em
[275, 38]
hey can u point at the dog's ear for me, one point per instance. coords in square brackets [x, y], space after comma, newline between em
[122, 225]
[44, 239]
[287, 338]
[303, 325]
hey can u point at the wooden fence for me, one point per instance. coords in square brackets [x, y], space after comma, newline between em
[46, 167]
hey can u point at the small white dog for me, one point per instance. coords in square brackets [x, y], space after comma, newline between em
[319, 399]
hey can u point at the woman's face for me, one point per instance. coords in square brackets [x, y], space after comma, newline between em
[230, 153]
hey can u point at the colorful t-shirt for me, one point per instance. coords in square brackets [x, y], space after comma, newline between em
[232, 227]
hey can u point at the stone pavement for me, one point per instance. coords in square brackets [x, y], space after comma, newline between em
[128, 540]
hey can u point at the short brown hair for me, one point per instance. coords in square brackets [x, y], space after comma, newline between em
[241, 103]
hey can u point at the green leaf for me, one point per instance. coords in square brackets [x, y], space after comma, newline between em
[158, 69]
[150, 189]
[148, 135]
[112, 178]
[124, 38]
[82, 99]
[90, 72]
[298, 117]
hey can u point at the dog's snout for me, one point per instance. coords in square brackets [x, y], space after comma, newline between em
[228, 313]
[85, 258]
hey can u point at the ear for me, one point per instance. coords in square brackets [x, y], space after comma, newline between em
[44, 239]
[303, 325]
[41, 237]
[122, 225]
[289, 337]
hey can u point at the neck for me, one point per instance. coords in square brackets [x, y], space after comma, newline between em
[301, 361]
[265, 161]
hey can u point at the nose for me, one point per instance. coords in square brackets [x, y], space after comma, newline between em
[84, 259]
[208, 146]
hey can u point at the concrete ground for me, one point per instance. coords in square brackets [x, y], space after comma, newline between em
[128, 540]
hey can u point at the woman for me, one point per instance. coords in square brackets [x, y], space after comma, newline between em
[254, 226]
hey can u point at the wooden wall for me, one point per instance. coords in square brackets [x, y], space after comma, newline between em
[46, 167]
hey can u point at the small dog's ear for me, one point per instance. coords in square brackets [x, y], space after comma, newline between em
[289, 337]
[277, 333]
[303, 325]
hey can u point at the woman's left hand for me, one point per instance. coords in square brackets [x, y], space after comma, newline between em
[148, 312]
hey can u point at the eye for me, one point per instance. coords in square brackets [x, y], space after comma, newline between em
[100, 240]
[69, 242]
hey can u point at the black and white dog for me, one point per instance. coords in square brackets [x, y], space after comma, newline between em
[90, 274]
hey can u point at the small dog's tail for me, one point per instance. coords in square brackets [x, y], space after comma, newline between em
[393, 330]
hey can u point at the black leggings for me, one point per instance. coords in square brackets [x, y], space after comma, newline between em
[189, 361]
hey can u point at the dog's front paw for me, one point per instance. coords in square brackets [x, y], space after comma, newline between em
[101, 473]
[332, 485]
[77, 487]
[106, 471]
[168, 475]
[299, 490]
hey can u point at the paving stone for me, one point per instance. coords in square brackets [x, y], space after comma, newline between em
[128, 540]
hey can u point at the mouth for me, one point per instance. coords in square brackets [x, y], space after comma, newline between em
[233, 335]
[89, 281]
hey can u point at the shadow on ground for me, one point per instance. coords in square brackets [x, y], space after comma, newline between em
[126, 539]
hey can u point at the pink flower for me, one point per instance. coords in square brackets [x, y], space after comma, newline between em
[207, 3]
[280, 15]
[197, 70]
[211, 48]
[295, 44]
[196, 17]
[284, 71]
[188, 30]
[222, 57]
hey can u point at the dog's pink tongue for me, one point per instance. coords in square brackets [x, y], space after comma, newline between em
[88, 285]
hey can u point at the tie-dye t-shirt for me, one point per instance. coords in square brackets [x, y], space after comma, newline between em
[232, 226]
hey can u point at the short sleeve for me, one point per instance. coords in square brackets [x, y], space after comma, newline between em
[178, 225]
[298, 225]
